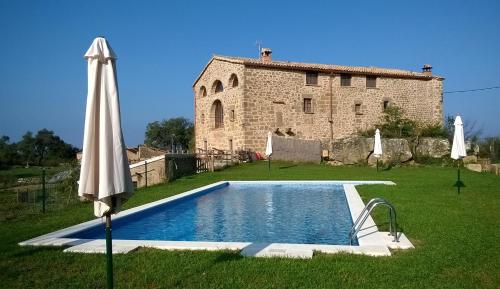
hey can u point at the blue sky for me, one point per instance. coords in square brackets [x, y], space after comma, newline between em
[163, 45]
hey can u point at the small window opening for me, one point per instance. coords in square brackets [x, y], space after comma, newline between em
[357, 109]
[345, 80]
[371, 81]
[386, 104]
[233, 80]
[217, 87]
[203, 91]
[308, 105]
[311, 78]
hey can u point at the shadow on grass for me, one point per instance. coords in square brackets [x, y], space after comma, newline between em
[287, 167]
[228, 256]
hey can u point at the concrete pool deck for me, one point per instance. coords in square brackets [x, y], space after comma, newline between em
[371, 241]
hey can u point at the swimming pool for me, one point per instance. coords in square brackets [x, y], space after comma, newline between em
[260, 218]
[243, 212]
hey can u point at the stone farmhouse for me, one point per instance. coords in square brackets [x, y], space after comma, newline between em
[238, 100]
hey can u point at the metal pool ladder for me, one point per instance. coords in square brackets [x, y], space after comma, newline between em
[356, 227]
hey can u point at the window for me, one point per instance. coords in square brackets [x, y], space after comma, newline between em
[203, 118]
[371, 81]
[217, 87]
[385, 104]
[218, 114]
[232, 114]
[233, 80]
[205, 145]
[308, 105]
[231, 145]
[311, 78]
[357, 109]
[203, 91]
[345, 80]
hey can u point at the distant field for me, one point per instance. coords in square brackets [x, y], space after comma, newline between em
[9, 177]
[456, 239]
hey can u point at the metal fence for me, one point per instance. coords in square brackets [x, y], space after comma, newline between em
[47, 197]
[39, 197]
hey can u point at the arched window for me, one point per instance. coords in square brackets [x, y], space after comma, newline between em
[203, 91]
[233, 80]
[217, 86]
[218, 114]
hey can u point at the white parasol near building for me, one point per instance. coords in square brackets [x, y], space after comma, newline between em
[269, 149]
[377, 147]
[458, 148]
[104, 174]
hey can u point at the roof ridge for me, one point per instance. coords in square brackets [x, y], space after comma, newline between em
[321, 66]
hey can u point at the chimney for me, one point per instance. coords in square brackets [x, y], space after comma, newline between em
[427, 69]
[265, 54]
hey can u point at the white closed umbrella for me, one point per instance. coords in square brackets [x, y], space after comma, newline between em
[105, 173]
[377, 147]
[458, 148]
[269, 148]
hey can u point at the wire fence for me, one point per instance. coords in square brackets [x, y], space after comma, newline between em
[37, 198]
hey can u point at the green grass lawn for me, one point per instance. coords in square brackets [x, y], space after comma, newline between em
[456, 238]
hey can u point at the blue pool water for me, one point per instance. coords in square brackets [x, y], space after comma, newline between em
[242, 212]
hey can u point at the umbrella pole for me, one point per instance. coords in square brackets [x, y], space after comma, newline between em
[458, 178]
[377, 165]
[269, 164]
[109, 252]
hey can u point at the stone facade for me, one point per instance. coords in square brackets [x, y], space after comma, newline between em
[161, 169]
[272, 95]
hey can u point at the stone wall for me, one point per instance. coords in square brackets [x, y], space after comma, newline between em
[272, 99]
[162, 169]
[156, 172]
[207, 136]
[290, 149]
[358, 150]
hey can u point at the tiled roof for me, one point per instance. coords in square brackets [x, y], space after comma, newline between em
[398, 73]
[325, 67]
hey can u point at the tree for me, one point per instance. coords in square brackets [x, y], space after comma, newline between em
[26, 148]
[179, 130]
[44, 139]
[45, 146]
[7, 152]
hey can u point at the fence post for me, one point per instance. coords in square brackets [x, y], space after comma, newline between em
[146, 172]
[43, 190]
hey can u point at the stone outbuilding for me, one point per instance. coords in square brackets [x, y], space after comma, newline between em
[238, 100]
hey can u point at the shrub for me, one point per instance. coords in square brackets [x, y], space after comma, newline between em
[434, 130]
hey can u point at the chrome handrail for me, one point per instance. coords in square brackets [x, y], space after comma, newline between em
[372, 204]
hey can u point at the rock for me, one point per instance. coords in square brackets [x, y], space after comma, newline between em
[474, 167]
[335, 163]
[358, 150]
[352, 150]
[470, 160]
[495, 169]
[433, 147]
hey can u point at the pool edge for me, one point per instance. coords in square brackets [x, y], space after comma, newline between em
[369, 244]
